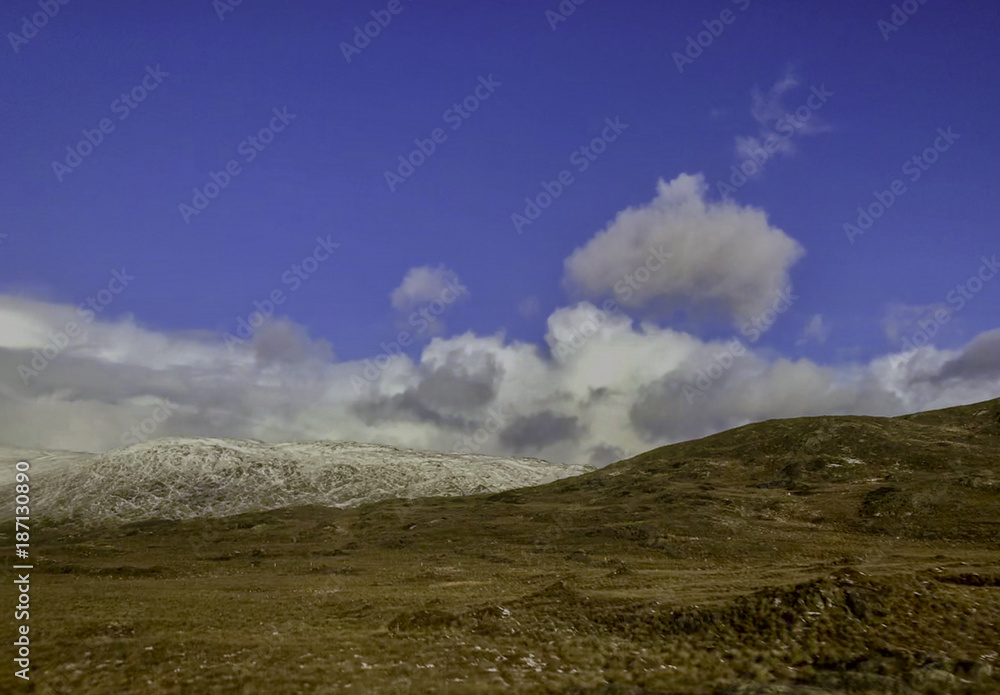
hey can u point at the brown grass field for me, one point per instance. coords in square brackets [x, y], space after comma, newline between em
[815, 555]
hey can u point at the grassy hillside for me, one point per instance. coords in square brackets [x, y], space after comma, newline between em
[814, 555]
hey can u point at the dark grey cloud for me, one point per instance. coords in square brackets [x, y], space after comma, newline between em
[457, 387]
[280, 340]
[73, 378]
[447, 395]
[406, 406]
[980, 359]
[600, 394]
[539, 430]
[754, 390]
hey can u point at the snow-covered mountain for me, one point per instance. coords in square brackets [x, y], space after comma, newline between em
[42, 463]
[180, 478]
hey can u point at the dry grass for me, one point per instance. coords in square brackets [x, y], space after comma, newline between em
[818, 555]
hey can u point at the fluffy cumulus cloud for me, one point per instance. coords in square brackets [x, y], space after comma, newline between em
[618, 388]
[423, 299]
[683, 251]
[423, 285]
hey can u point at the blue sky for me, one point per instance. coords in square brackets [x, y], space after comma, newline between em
[324, 173]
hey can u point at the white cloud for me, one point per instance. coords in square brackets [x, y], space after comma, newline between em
[621, 389]
[776, 123]
[724, 257]
[817, 330]
[422, 285]
[424, 297]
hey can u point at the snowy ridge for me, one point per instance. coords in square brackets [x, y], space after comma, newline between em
[42, 462]
[180, 478]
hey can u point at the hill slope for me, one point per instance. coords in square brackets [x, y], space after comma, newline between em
[928, 475]
[797, 557]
